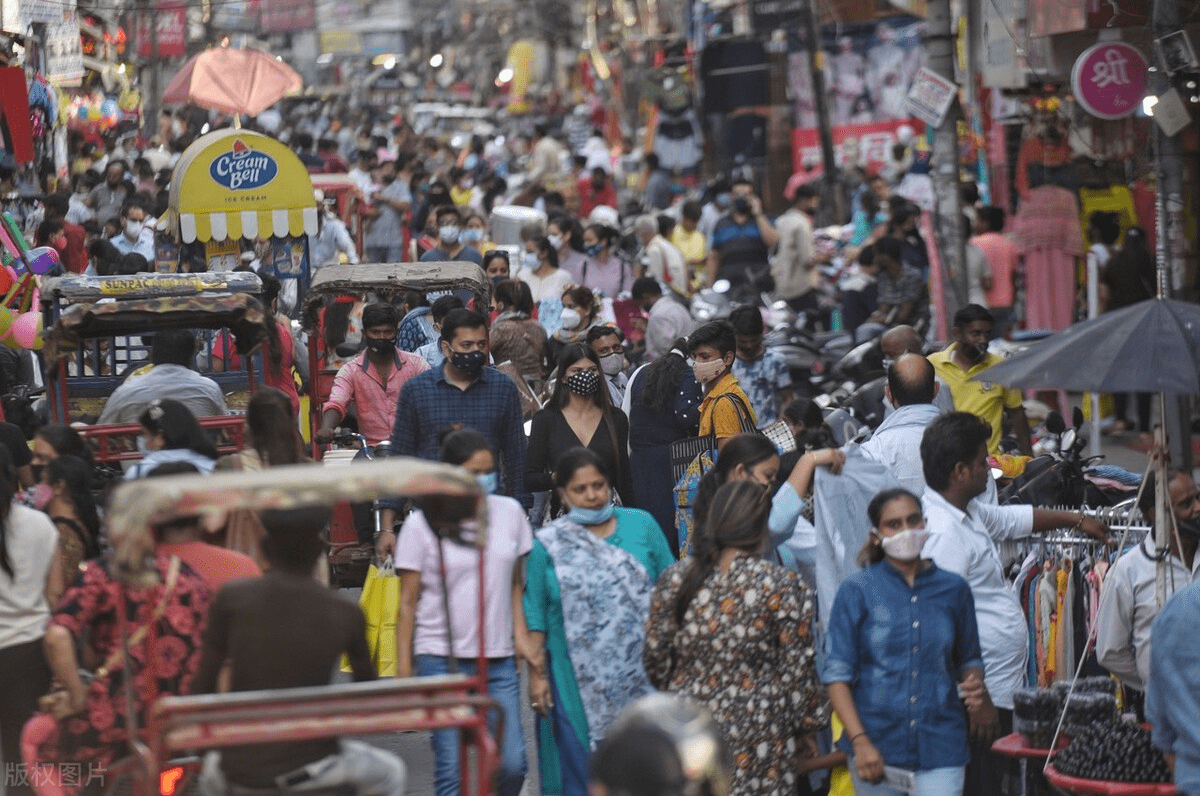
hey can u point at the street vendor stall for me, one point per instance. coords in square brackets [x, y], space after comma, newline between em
[235, 185]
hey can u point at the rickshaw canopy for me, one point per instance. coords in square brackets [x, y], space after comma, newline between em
[388, 279]
[139, 506]
[234, 184]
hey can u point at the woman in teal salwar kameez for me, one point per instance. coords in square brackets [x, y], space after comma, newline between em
[587, 598]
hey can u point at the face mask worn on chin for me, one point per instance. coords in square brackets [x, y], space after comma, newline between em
[612, 364]
[41, 495]
[1189, 528]
[448, 234]
[382, 347]
[468, 362]
[591, 516]
[906, 545]
[584, 383]
[489, 482]
[570, 318]
[706, 372]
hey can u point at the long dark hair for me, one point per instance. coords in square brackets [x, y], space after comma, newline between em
[65, 441]
[747, 450]
[8, 488]
[270, 293]
[461, 444]
[738, 520]
[75, 475]
[660, 379]
[272, 425]
[178, 426]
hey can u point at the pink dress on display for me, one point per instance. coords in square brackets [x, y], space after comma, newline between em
[1047, 231]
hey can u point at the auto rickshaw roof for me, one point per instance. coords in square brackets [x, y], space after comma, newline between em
[75, 288]
[240, 313]
[340, 280]
[141, 505]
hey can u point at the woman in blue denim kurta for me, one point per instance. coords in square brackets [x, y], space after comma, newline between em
[902, 638]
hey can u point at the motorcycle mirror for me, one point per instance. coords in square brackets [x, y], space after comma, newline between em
[1055, 423]
[721, 286]
[1077, 417]
[1067, 441]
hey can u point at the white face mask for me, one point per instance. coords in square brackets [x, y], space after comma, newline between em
[570, 318]
[906, 545]
[133, 228]
[531, 260]
[555, 241]
[612, 364]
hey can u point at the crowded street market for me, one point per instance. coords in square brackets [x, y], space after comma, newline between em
[603, 398]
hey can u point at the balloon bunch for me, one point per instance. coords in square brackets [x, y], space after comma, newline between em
[20, 267]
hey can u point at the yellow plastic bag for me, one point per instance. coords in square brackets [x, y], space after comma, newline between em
[380, 603]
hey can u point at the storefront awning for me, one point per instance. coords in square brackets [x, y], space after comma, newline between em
[237, 184]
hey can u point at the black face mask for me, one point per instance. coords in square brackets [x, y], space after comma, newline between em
[741, 205]
[383, 347]
[468, 362]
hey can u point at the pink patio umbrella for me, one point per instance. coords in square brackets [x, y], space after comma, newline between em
[233, 81]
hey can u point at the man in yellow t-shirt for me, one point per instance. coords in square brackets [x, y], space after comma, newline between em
[966, 358]
[690, 240]
[712, 347]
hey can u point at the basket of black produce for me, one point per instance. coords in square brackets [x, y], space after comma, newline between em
[1084, 711]
[1035, 715]
[1116, 758]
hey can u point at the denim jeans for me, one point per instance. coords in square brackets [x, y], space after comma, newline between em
[504, 686]
[934, 782]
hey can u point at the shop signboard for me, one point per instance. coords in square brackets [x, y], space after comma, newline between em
[1110, 79]
[288, 16]
[868, 145]
[930, 96]
[770, 15]
[341, 42]
[64, 51]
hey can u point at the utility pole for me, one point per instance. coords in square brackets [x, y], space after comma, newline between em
[1169, 168]
[940, 48]
[833, 199]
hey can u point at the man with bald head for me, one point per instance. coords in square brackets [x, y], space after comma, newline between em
[903, 339]
[911, 389]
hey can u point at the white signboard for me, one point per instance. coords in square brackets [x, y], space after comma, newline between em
[930, 96]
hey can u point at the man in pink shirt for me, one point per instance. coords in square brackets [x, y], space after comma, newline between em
[372, 380]
[1004, 258]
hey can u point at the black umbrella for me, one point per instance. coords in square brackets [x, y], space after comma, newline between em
[1151, 346]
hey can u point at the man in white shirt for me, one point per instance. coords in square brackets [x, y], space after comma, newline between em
[131, 240]
[911, 390]
[662, 259]
[962, 536]
[669, 320]
[171, 376]
[1129, 601]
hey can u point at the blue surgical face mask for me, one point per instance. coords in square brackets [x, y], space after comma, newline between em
[471, 236]
[593, 250]
[489, 482]
[591, 516]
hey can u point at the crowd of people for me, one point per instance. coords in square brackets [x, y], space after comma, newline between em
[607, 577]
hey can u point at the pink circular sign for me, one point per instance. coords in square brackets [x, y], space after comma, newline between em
[1110, 79]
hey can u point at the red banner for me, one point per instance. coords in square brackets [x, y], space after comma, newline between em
[287, 16]
[163, 34]
[866, 145]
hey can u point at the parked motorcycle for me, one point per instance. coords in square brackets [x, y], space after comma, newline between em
[1061, 477]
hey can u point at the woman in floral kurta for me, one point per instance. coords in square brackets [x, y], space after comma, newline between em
[743, 647]
[94, 734]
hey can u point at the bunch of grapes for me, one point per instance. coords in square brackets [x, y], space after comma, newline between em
[1116, 752]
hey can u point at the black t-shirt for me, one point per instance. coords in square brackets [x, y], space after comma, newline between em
[1129, 280]
[280, 631]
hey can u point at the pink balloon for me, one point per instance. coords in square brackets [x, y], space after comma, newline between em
[26, 330]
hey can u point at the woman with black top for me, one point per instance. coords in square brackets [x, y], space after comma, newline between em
[578, 414]
[664, 406]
